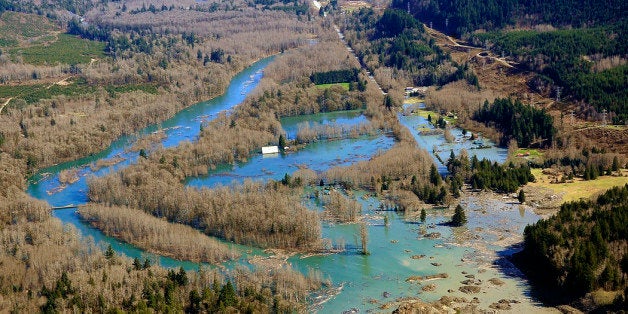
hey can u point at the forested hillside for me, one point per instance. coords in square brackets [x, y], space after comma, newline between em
[589, 64]
[398, 51]
[459, 16]
[577, 47]
[582, 248]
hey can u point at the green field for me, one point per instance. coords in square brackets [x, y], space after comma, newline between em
[67, 49]
[434, 115]
[326, 86]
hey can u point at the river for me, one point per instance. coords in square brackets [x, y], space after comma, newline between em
[367, 281]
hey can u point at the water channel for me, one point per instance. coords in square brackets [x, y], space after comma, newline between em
[367, 281]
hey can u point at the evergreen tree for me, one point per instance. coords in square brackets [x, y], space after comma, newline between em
[109, 254]
[364, 237]
[423, 214]
[459, 218]
[137, 265]
[615, 166]
[195, 302]
[521, 197]
[282, 142]
[434, 175]
[388, 102]
[227, 295]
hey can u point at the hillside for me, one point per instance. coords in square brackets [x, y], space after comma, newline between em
[576, 50]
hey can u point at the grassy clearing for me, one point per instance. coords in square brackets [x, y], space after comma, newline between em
[426, 113]
[29, 94]
[67, 49]
[579, 188]
[434, 115]
[413, 100]
[529, 152]
[345, 86]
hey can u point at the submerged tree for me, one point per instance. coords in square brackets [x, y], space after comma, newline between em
[364, 236]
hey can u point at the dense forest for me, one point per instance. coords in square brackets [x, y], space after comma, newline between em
[525, 124]
[582, 248]
[460, 17]
[337, 76]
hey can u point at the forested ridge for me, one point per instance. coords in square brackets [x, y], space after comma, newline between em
[582, 248]
[459, 16]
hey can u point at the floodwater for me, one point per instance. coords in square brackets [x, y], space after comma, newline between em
[365, 281]
[437, 145]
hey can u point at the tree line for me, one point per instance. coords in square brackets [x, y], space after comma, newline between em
[484, 174]
[461, 17]
[587, 162]
[156, 235]
[337, 76]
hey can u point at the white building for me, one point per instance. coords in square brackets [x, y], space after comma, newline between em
[270, 149]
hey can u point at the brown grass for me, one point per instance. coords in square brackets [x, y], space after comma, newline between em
[579, 188]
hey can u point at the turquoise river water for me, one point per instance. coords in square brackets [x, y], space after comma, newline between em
[365, 282]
